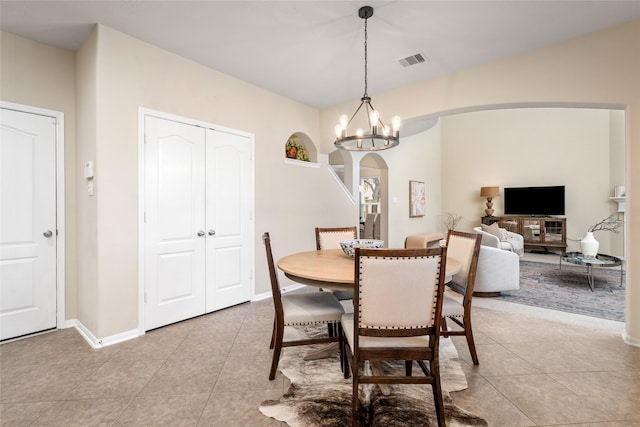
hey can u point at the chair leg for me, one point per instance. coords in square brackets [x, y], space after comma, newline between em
[346, 361]
[355, 402]
[408, 367]
[273, 334]
[279, 331]
[437, 393]
[468, 332]
[341, 348]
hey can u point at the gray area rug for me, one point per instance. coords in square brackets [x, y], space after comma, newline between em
[544, 285]
[320, 396]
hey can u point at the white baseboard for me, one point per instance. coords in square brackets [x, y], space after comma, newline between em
[102, 342]
[629, 340]
[284, 290]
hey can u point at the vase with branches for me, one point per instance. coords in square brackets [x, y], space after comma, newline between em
[611, 223]
[451, 220]
[589, 245]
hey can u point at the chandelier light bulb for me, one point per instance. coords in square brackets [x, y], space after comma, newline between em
[374, 118]
[395, 124]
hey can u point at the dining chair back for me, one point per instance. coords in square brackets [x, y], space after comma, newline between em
[397, 315]
[329, 238]
[464, 247]
[297, 309]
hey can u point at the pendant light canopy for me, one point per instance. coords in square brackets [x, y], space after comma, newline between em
[378, 136]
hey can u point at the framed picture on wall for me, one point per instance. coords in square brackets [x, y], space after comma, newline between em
[416, 198]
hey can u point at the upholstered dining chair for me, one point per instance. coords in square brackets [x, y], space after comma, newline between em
[299, 309]
[464, 247]
[329, 238]
[397, 315]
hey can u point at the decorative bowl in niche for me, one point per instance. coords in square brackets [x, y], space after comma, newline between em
[349, 246]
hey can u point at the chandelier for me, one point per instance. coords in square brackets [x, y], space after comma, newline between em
[378, 136]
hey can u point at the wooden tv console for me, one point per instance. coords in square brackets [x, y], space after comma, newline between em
[542, 233]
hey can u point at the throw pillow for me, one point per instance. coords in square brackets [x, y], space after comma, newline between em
[492, 229]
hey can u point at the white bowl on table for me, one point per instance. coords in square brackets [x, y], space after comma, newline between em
[349, 246]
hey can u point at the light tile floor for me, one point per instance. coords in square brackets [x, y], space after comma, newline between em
[212, 371]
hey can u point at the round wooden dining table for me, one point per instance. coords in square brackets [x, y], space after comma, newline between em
[333, 269]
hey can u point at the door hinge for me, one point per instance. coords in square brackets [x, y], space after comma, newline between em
[145, 138]
[144, 217]
[145, 297]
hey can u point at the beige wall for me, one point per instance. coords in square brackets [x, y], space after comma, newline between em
[42, 76]
[618, 169]
[600, 70]
[417, 158]
[87, 206]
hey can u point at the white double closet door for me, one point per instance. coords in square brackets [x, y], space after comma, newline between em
[198, 220]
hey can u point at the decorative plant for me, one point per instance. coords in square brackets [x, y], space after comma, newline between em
[611, 223]
[295, 150]
[451, 220]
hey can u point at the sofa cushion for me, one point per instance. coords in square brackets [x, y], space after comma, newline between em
[493, 229]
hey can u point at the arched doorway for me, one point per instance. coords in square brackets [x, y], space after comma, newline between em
[374, 190]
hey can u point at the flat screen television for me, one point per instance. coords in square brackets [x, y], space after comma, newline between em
[537, 201]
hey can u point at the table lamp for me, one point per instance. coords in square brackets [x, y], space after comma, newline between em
[489, 193]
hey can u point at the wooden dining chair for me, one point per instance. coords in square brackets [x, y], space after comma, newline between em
[464, 247]
[397, 315]
[329, 238]
[299, 309]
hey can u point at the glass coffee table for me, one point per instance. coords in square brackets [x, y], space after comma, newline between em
[601, 260]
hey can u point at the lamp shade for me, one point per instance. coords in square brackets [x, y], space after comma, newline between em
[489, 191]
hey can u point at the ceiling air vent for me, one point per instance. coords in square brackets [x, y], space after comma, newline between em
[412, 60]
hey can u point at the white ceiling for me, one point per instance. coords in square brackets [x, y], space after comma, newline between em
[313, 51]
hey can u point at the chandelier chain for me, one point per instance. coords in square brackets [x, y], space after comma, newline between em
[365, 58]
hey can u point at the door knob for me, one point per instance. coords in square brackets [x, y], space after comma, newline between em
[212, 232]
[200, 233]
[48, 233]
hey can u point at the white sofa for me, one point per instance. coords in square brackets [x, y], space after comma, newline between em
[511, 242]
[498, 270]
[498, 263]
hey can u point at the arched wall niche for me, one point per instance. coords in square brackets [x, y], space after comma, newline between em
[299, 146]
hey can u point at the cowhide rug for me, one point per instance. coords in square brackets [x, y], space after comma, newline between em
[320, 396]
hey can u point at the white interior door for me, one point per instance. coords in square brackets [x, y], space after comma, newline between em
[229, 219]
[27, 223]
[174, 221]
